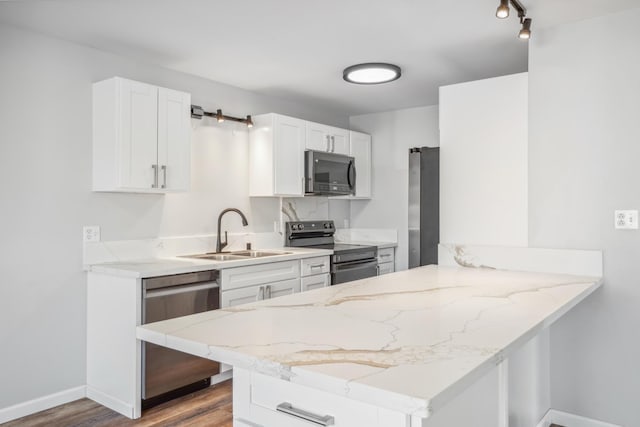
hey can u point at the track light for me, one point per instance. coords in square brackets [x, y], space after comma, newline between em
[198, 112]
[503, 12]
[503, 9]
[525, 32]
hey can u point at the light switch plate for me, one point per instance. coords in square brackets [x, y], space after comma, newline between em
[91, 233]
[626, 219]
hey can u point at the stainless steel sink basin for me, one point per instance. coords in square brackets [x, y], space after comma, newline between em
[216, 257]
[233, 256]
[258, 254]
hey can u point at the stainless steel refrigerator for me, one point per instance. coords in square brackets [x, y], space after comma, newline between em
[424, 206]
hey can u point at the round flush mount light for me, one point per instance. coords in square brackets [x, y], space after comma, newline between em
[371, 73]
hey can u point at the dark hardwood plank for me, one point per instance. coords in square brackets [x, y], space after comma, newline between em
[204, 408]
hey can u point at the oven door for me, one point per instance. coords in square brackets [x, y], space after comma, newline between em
[329, 173]
[348, 271]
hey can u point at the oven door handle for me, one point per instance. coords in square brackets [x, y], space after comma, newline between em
[354, 265]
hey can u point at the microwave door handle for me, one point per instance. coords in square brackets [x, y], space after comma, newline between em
[351, 174]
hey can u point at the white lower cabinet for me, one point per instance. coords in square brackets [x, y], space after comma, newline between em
[261, 400]
[315, 273]
[386, 261]
[315, 282]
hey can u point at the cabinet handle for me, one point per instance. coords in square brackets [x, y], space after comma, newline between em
[328, 143]
[385, 255]
[268, 292]
[377, 270]
[260, 295]
[155, 176]
[164, 179]
[323, 420]
[333, 144]
[317, 266]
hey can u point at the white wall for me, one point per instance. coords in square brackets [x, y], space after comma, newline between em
[483, 162]
[393, 133]
[584, 152]
[45, 171]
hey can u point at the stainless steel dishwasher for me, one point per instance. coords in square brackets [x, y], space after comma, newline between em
[167, 373]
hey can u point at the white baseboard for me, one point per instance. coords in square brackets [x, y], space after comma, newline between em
[570, 420]
[110, 402]
[41, 403]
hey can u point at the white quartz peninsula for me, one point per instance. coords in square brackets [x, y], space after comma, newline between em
[385, 351]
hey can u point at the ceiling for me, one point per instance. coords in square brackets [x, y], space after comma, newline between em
[297, 49]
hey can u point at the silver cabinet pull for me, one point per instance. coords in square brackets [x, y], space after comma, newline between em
[317, 266]
[328, 143]
[155, 176]
[377, 270]
[164, 171]
[322, 420]
[385, 255]
[333, 144]
[268, 292]
[260, 295]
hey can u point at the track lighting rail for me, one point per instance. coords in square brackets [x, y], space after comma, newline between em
[198, 112]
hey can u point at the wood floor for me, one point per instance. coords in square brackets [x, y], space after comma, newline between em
[209, 407]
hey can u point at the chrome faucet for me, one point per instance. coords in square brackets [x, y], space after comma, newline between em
[219, 243]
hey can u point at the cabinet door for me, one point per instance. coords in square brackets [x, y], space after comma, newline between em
[285, 287]
[318, 137]
[174, 139]
[235, 297]
[138, 148]
[385, 268]
[288, 156]
[360, 149]
[339, 141]
[314, 282]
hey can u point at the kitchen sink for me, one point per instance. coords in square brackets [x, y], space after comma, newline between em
[216, 257]
[258, 254]
[234, 256]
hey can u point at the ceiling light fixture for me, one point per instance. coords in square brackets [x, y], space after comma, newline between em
[525, 32]
[503, 9]
[219, 116]
[198, 112]
[503, 12]
[371, 73]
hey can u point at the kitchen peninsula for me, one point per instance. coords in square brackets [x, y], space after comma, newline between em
[384, 351]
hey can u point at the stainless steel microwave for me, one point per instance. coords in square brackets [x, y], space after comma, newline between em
[329, 174]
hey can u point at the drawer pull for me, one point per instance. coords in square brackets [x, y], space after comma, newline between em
[385, 255]
[287, 408]
[317, 266]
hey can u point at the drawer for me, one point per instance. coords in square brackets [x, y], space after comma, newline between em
[386, 255]
[315, 282]
[386, 268]
[240, 277]
[317, 265]
[268, 393]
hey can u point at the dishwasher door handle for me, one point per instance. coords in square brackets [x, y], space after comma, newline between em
[156, 293]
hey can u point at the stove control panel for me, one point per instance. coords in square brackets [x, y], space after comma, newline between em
[309, 233]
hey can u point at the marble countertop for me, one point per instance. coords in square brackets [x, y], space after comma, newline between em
[153, 267]
[407, 341]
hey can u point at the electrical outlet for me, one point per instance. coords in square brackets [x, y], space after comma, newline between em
[91, 233]
[626, 219]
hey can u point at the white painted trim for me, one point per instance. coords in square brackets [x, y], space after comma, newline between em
[111, 402]
[41, 403]
[503, 393]
[566, 419]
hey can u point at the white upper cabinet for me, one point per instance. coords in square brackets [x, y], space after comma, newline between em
[276, 156]
[360, 150]
[327, 138]
[141, 137]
